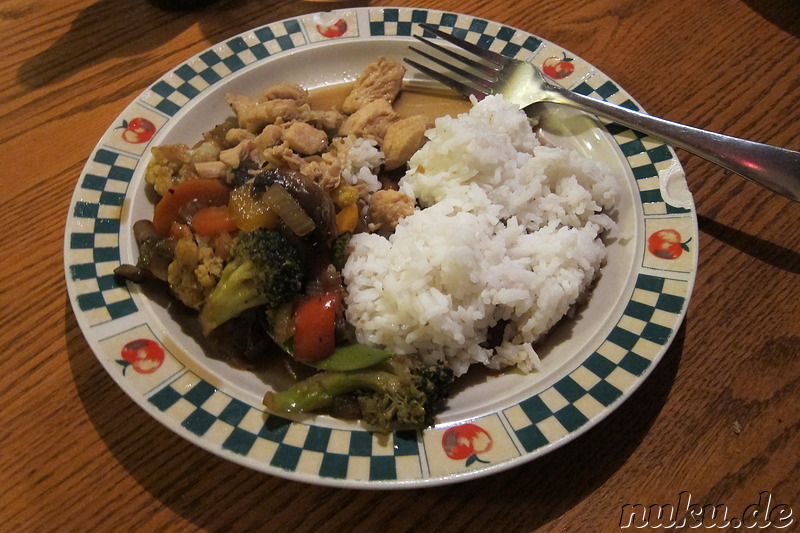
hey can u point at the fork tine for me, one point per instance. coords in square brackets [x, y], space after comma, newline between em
[456, 85]
[489, 70]
[452, 68]
[483, 53]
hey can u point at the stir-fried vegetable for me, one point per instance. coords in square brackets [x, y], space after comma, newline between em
[213, 220]
[347, 218]
[401, 392]
[352, 357]
[264, 269]
[181, 203]
[249, 211]
[315, 327]
[252, 231]
[282, 203]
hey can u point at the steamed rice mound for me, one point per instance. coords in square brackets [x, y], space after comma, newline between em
[509, 231]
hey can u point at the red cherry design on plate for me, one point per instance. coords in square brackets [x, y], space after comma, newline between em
[138, 130]
[466, 441]
[558, 68]
[667, 244]
[337, 29]
[144, 355]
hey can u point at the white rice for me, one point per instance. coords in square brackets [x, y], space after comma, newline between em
[510, 230]
[362, 159]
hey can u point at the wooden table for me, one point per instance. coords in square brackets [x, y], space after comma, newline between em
[719, 418]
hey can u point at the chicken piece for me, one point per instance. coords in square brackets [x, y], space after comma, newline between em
[326, 169]
[236, 135]
[269, 136]
[285, 91]
[281, 156]
[253, 114]
[381, 79]
[386, 208]
[325, 172]
[211, 169]
[370, 121]
[402, 139]
[330, 121]
[304, 138]
[205, 151]
[233, 156]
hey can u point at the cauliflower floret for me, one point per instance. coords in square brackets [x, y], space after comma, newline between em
[164, 170]
[209, 268]
[175, 163]
[194, 272]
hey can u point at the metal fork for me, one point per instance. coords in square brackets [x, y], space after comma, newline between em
[521, 83]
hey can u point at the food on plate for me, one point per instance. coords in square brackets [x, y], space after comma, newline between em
[383, 255]
[506, 240]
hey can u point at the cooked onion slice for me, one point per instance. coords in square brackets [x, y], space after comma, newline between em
[289, 210]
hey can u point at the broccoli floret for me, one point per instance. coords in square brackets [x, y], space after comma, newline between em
[340, 250]
[399, 393]
[263, 269]
[423, 393]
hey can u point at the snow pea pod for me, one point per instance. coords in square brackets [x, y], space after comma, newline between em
[352, 357]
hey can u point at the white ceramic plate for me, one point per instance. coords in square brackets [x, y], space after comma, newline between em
[591, 363]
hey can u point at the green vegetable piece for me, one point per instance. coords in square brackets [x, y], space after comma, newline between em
[400, 392]
[352, 357]
[318, 391]
[264, 269]
[340, 250]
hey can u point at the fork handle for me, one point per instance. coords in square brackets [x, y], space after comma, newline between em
[775, 168]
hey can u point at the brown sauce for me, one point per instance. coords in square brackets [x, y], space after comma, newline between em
[329, 96]
[432, 105]
[409, 102]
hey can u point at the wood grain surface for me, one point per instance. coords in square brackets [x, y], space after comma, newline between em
[719, 417]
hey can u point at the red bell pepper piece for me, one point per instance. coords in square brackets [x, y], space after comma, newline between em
[314, 327]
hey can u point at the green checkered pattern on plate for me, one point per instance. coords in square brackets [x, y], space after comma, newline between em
[643, 160]
[94, 242]
[608, 372]
[570, 403]
[244, 430]
[187, 81]
[241, 429]
[502, 39]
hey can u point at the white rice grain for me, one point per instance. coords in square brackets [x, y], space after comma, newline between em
[509, 231]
